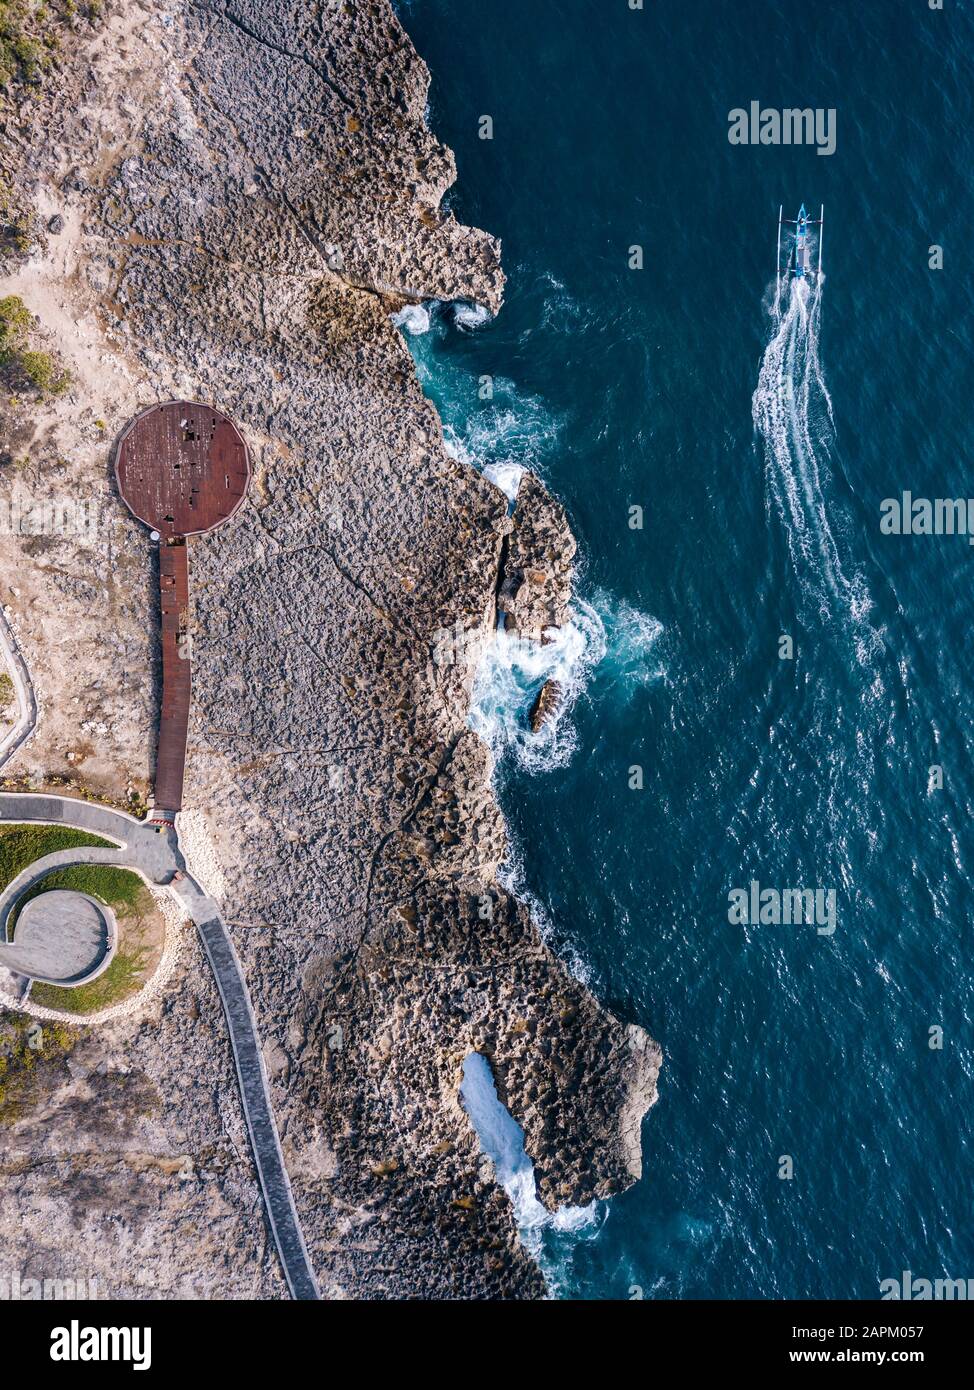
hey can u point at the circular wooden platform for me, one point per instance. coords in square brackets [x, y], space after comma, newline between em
[182, 468]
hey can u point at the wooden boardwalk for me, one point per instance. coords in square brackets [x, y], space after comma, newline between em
[176, 671]
[182, 469]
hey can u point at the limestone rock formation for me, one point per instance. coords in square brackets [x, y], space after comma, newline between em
[247, 190]
[536, 581]
[546, 704]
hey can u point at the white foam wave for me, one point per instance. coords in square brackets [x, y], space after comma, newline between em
[488, 422]
[502, 1139]
[514, 669]
[413, 319]
[515, 431]
[470, 316]
[511, 878]
[507, 476]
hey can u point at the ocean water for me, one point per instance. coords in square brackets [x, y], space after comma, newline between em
[759, 436]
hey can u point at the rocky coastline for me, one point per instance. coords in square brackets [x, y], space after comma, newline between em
[245, 193]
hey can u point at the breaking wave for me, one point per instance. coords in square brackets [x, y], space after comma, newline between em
[507, 476]
[607, 635]
[413, 319]
[515, 431]
[487, 421]
[470, 316]
[502, 1139]
[418, 319]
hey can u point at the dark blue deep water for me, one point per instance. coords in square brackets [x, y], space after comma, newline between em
[760, 449]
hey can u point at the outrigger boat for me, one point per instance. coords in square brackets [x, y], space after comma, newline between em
[799, 260]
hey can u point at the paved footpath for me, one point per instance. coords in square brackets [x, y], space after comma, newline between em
[24, 689]
[157, 856]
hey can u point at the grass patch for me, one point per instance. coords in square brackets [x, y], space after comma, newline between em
[6, 691]
[21, 845]
[23, 366]
[121, 889]
[122, 978]
[31, 1056]
[128, 897]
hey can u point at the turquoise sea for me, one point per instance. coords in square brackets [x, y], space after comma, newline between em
[760, 442]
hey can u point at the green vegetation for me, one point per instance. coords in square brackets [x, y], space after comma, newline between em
[23, 55]
[30, 37]
[43, 373]
[30, 1053]
[22, 365]
[121, 889]
[14, 322]
[6, 692]
[20, 845]
[17, 234]
[122, 978]
[126, 894]
[30, 40]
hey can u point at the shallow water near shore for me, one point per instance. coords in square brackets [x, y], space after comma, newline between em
[759, 444]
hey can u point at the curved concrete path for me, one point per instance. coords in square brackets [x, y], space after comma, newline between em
[62, 938]
[24, 687]
[157, 857]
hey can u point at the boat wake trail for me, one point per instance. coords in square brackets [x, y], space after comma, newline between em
[792, 412]
[845, 709]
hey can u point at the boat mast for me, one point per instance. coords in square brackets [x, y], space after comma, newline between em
[821, 235]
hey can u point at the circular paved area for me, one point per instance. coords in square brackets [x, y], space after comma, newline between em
[61, 937]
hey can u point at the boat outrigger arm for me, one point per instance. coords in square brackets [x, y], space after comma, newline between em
[799, 264]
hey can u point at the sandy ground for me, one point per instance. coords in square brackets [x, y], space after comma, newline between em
[74, 568]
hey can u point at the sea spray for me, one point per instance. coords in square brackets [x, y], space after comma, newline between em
[510, 675]
[413, 319]
[470, 317]
[512, 878]
[607, 636]
[513, 431]
[488, 422]
[507, 476]
[608, 645]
